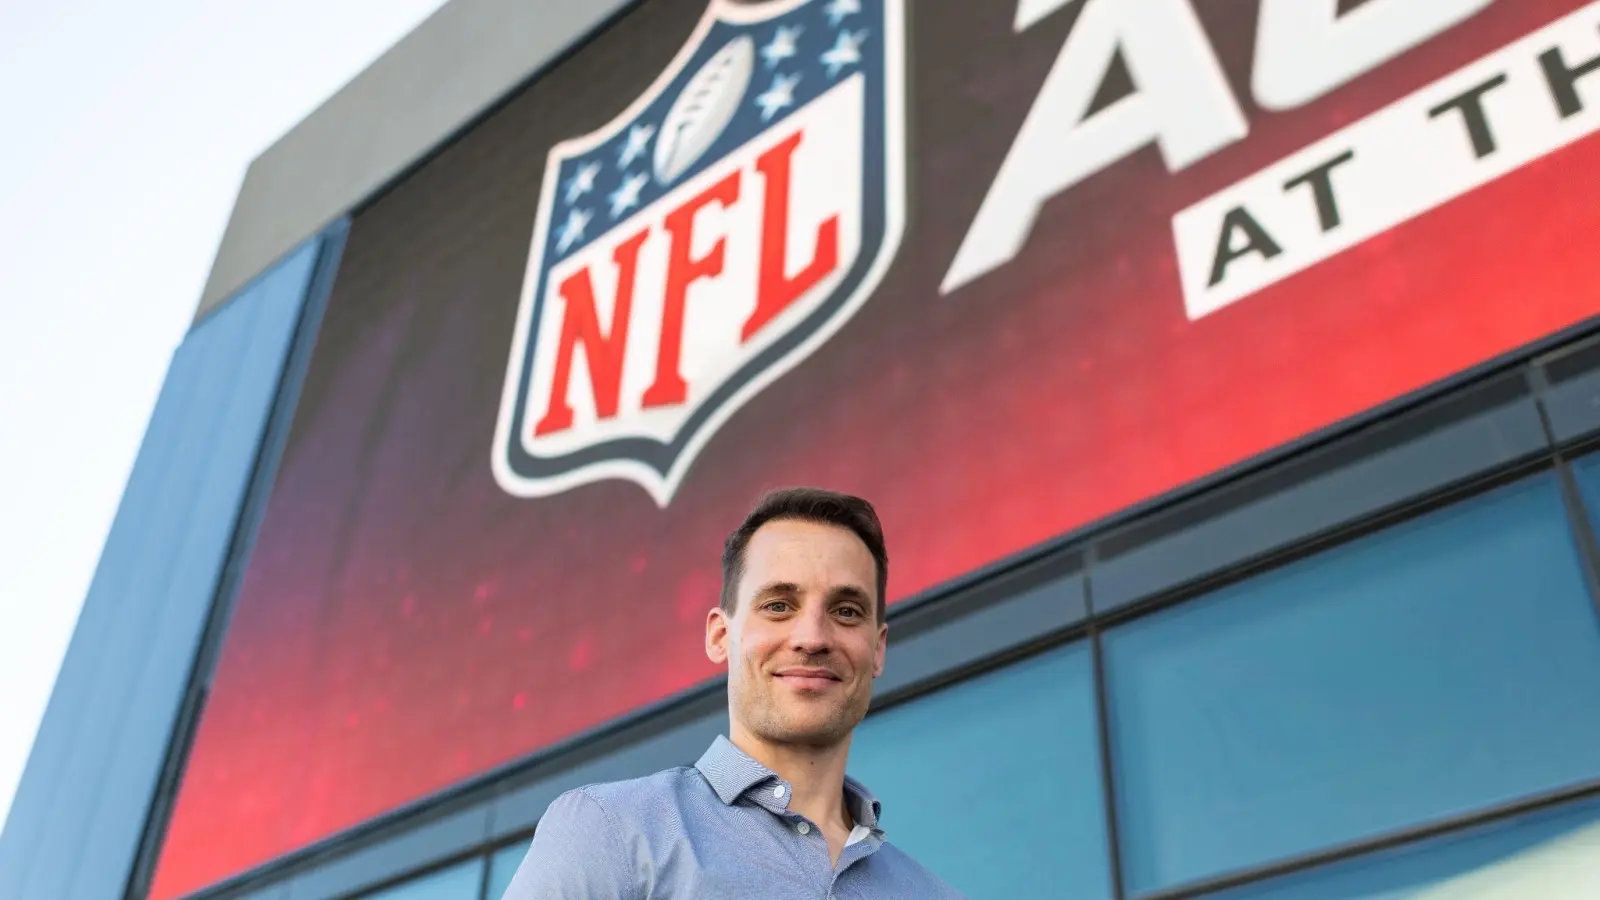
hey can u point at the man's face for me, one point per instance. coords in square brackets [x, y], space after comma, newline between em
[804, 643]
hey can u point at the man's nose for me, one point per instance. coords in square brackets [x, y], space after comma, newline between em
[812, 631]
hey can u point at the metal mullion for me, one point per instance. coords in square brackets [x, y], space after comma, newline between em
[1578, 518]
[1582, 527]
[483, 875]
[1102, 717]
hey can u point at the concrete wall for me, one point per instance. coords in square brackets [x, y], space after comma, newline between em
[439, 78]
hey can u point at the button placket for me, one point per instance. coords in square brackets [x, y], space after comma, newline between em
[852, 855]
[813, 836]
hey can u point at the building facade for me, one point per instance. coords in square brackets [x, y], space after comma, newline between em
[1225, 373]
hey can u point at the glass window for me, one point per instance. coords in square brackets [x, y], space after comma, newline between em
[502, 866]
[1587, 471]
[1555, 853]
[460, 882]
[984, 781]
[1436, 668]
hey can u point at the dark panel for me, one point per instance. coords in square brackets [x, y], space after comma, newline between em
[1016, 609]
[458, 881]
[383, 862]
[1571, 398]
[272, 892]
[1574, 407]
[1454, 439]
[681, 745]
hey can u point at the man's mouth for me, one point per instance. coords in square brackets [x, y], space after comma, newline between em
[807, 679]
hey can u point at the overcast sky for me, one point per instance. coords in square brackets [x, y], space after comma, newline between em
[128, 127]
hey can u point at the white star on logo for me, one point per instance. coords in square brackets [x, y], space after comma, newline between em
[781, 47]
[838, 9]
[638, 139]
[572, 231]
[845, 52]
[627, 197]
[778, 96]
[583, 182]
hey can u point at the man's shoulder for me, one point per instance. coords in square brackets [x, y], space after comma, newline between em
[590, 838]
[908, 871]
[639, 801]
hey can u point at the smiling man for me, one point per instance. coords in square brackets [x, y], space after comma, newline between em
[767, 812]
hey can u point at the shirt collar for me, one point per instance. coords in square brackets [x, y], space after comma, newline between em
[731, 773]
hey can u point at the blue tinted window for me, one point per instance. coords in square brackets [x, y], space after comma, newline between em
[1555, 853]
[455, 883]
[1428, 670]
[502, 866]
[995, 783]
[1587, 470]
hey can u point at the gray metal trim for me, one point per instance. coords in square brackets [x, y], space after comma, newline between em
[274, 892]
[1570, 382]
[1491, 425]
[1018, 610]
[1574, 407]
[379, 863]
[519, 810]
[427, 88]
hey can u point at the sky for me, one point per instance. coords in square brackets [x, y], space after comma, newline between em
[128, 129]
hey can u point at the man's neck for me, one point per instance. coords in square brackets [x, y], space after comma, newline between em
[815, 775]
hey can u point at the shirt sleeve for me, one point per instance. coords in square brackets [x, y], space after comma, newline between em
[576, 854]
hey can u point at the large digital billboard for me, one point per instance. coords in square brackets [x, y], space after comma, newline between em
[1003, 268]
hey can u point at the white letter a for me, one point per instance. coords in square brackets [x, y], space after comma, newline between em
[1304, 48]
[1183, 103]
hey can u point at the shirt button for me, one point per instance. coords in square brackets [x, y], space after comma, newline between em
[803, 828]
[779, 791]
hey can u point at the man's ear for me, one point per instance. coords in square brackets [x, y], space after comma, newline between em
[717, 625]
[883, 646]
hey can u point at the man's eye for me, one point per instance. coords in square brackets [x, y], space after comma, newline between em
[849, 611]
[777, 606]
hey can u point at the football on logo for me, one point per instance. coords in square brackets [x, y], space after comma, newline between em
[704, 242]
[702, 112]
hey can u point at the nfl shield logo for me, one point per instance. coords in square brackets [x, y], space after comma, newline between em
[705, 242]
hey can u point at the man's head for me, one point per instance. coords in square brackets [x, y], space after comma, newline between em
[801, 620]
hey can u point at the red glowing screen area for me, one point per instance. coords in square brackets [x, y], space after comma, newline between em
[405, 623]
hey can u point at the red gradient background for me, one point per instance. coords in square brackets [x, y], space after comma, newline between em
[403, 624]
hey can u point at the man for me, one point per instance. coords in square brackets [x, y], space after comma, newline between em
[767, 813]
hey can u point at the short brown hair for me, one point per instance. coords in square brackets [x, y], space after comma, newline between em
[809, 505]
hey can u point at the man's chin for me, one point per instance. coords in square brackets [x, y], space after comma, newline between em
[812, 730]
